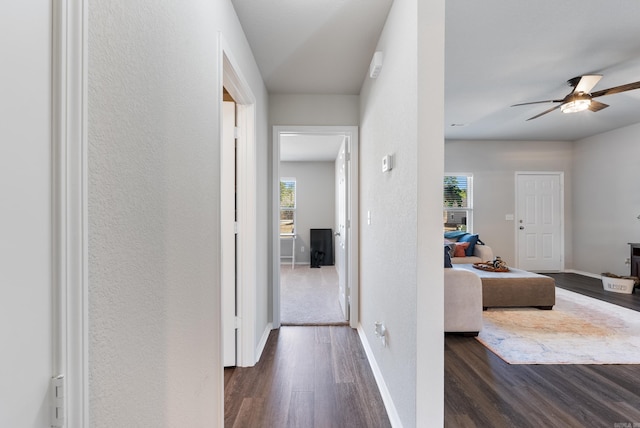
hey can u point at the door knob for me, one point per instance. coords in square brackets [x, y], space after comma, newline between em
[521, 227]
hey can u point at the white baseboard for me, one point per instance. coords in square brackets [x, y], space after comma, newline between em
[263, 341]
[578, 272]
[382, 386]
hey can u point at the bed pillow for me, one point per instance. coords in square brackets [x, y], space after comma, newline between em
[461, 249]
[472, 240]
[447, 257]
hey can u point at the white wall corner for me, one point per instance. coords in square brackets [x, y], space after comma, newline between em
[390, 407]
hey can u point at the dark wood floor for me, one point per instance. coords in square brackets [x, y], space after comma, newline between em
[592, 287]
[307, 377]
[319, 377]
[481, 390]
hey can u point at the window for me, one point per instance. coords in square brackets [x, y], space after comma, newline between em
[458, 202]
[287, 205]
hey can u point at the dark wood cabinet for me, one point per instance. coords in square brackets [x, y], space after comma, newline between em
[635, 258]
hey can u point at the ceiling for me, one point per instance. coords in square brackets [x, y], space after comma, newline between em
[500, 53]
[497, 53]
[313, 46]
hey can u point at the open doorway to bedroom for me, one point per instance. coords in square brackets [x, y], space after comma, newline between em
[315, 202]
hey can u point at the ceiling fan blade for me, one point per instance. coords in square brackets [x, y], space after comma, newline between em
[616, 89]
[537, 102]
[545, 112]
[597, 106]
[585, 83]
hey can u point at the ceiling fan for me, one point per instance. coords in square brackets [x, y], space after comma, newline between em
[580, 98]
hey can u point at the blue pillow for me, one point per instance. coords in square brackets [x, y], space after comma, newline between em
[454, 234]
[472, 240]
[447, 257]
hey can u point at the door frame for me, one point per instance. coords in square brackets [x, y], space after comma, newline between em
[246, 254]
[228, 256]
[341, 195]
[352, 255]
[69, 205]
[560, 175]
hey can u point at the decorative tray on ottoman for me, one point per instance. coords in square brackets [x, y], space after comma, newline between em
[489, 267]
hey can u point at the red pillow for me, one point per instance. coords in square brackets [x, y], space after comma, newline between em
[459, 250]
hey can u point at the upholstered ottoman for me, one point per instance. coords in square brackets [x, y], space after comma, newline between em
[514, 288]
[462, 302]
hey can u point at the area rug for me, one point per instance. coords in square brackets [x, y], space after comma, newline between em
[579, 330]
[309, 296]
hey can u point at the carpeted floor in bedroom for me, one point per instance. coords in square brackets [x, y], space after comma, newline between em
[309, 296]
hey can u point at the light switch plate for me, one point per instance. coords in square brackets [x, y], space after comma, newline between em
[387, 163]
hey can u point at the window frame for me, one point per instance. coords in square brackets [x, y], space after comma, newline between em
[288, 208]
[466, 210]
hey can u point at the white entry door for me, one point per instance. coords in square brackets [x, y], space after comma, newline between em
[341, 229]
[539, 221]
[227, 234]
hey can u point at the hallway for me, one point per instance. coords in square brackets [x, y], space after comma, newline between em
[307, 377]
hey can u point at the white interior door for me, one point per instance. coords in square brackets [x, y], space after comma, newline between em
[341, 229]
[539, 221]
[227, 234]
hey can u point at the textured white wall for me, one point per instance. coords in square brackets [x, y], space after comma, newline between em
[400, 205]
[315, 201]
[388, 280]
[25, 217]
[606, 200]
[313, 109]
[493, 165]
[153, 209]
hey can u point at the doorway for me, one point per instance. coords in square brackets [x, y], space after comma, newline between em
[344, 225]
[540, 225]
[243, 222]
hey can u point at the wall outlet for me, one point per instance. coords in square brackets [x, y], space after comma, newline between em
[627, 261]
[302, 249]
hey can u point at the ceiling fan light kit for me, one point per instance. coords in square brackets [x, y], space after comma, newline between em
[576, 103]
[581, 98]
